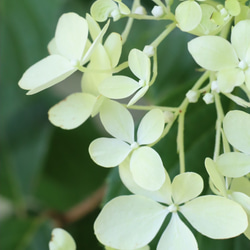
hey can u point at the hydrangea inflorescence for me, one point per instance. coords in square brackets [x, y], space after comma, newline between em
[131, 222]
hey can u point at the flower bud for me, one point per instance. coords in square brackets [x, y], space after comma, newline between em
[157, 11]
[192, 96]
[149, 50]
[140, 10]
[208, 98]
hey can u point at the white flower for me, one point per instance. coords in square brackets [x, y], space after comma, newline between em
[145, 163]
[61, 240]
[129, 222]
[231, 61]
[118, 87]
[70, 45]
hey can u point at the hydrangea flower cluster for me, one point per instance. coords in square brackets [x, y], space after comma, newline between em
[131, 222]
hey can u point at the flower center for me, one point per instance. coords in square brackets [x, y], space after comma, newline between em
[142, 83]
[172, 208]
[134, 145]
[243, 65]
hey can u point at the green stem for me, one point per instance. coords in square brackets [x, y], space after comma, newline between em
[155, 68]
[163, 35]
[139, 107]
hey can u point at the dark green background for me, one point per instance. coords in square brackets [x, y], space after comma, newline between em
[46, 170]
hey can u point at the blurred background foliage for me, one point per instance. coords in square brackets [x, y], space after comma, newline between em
[46, 172]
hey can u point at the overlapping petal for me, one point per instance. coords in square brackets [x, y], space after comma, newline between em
[129, 222]
[101, 9]
[150, 127]
[213, 53]
[236, 125]
[108, 152]
[73, 111]
[117, 121]
[147, 168]
[177, 236]
[215, 217]
[233, 164]
[186, 186]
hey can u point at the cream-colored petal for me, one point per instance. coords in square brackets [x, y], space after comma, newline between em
[46, 73]
[215, 217]
[108, 152]
[236, 125]
[139, 63]
[241, 184]
[138, 95]
[233, 164]
[117, 120]
[161, 195]
[118, 87]
[240, 38]
[94, 28]
[229, 78]
[129, 222]
[177, 236]
[73, 111]
[113, 46]
[151, 127]
[215, 176]
[188, 15]
[186, 186]
[213, 53]
[71, 35]
[147, 168]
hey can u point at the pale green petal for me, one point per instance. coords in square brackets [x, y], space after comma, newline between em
[52, 47]
[129, 222]
[177, 236]
[188, 15]
[241, 184]
[240, 38]
[233, 7]
[108, 152]
[215, 176]
[162, 195]
[247, 78]
[118, 87]
[113, 46]
[101, 9]
[186, 186]
[86, 56]
[147, 168]
[117, 120]
[123, 8]
[139, 94]
[71, 35]
[139, 63]
[99, 102]
[61, 240]
[151, 127]
[93, 77]
[233, 164]
[94, 28]
[72, 111]
[215, 217]
[213, 53]
[229, 78]
[236, 125]
[244, 201]
[46, 73]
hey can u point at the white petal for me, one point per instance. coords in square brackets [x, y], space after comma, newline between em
[139, 94]
[240, 38]
[186, 186]
[230, 78]
[113, 46]
[139, 63]
[147, 168]
[247, 78]
[188, 15]
[94, 28]
[101, 9]
[233, 164]
[215, 217]
[215, 176]
[177, 236]
[108, 152]
[151, 127]
[213, 53]
[117, 121]
[73, 111]
[61, 240]
[46, 73]
[118, 87]
[129, 222]
[71, 35]
[236, 125]
[161, 195]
